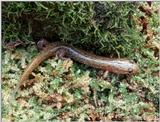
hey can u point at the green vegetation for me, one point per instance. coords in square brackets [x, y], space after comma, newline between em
[66, 90]
[107, 27]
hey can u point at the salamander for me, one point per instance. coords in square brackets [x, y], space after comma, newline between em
[118, 66]
[115, 65]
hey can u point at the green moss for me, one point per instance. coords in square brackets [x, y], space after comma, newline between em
[103, 27]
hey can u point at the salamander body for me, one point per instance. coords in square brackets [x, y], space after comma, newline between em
[118, 66]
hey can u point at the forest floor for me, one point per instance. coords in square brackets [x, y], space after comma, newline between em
[67, 90]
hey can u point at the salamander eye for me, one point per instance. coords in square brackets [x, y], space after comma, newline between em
[130, 70]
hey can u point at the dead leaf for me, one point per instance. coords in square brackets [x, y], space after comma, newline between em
[68, 77]
[86, 99]
[54, 73]
[66, 115]
[105, 119]
[23, 103]
[149, 117]
[67, 64]
[146, 10]
[69, 98]
[93, 116]
[59, 105]
[57, 97]
[13, 45]
[144, 23]
[82, 82]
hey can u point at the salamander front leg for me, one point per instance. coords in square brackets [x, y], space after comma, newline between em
[62, 55]
[67, 62]
[42, 44]
[103, 74]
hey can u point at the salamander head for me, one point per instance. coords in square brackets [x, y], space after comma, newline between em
[131, 67]
[124, 67]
